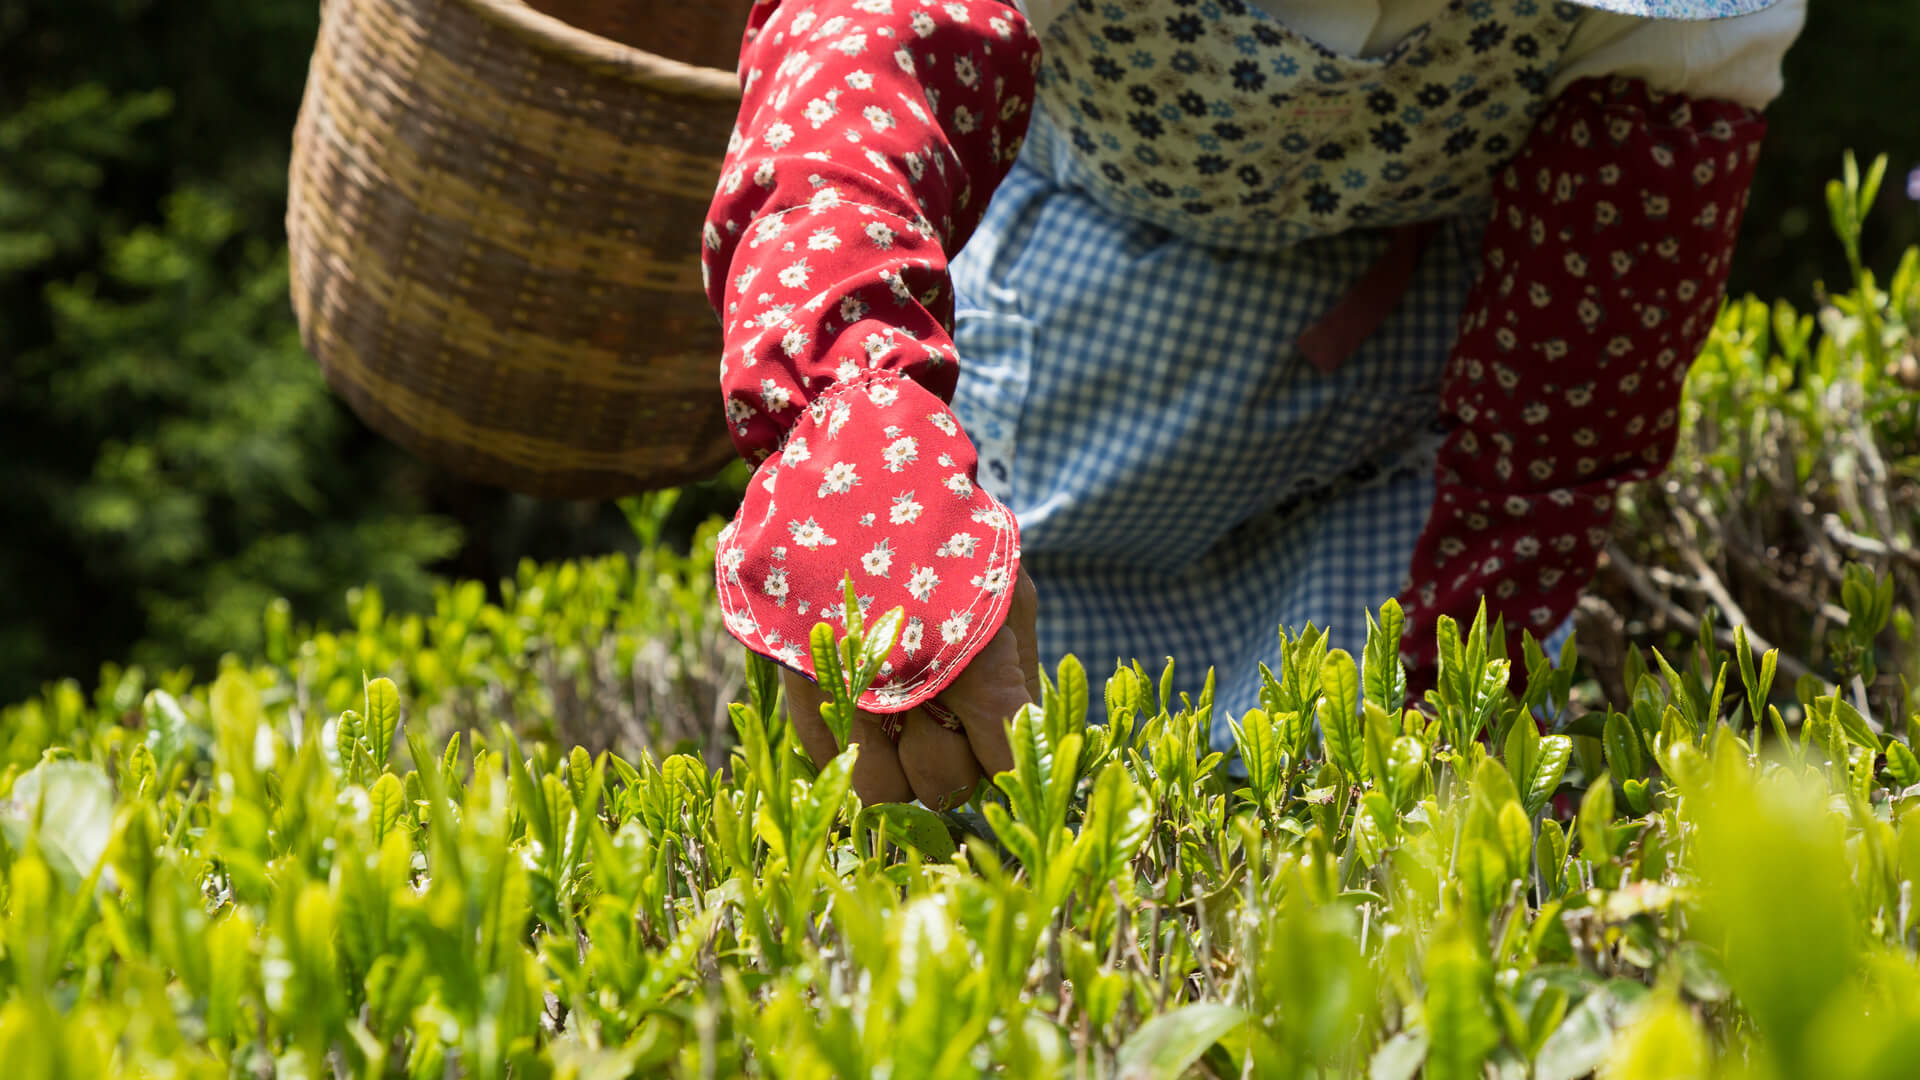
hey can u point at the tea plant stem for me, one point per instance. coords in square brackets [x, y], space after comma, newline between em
[1867, 545]
[1636, 579]
[1709, 581]
[1205, 959]
[1667, 579]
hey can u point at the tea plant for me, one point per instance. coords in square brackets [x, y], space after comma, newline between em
[535, 834]
[1800, 458]
[240, 881]
[608, 652]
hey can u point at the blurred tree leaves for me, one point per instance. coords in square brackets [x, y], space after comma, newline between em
[173, 459]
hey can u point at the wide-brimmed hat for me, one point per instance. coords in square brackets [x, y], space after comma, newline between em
[1680, 9]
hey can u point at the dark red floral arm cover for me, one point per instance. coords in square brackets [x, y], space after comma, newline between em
[1604, 266]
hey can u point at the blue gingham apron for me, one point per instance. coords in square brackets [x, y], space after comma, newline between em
[1185, 481]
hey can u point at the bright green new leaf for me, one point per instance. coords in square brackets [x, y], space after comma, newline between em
[1386, 677]
[1853, 724]
[1623, 749]
[832, 680]
[1071, 689]
[1664, 1044]
[386, 801]
[1516, 837]
[1340, 714]
[1902, 763]
[1759, 843]
[1459, 1014]
[1549, 767]
[1379, 729]
[68, 807]
[169, 732]
[1639, 796]
[383, 720]
[1118, 820]
[912, 825]
[1406, 760]
[1581, 1042]
[1257, 737]
[1550, 855]
[1400, 1057]
[1168, 1045]
[1596, 819]
[876, 643]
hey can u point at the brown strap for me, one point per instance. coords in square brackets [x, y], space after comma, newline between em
[1340, 332]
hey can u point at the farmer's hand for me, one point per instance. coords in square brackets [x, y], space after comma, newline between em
[931, 763]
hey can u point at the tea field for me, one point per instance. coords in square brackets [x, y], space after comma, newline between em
[565, 831]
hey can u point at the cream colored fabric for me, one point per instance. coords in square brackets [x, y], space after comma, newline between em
[1736, 59]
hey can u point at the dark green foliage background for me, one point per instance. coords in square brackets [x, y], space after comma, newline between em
[170, 459]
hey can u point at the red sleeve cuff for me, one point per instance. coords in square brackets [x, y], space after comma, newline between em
[876, 480]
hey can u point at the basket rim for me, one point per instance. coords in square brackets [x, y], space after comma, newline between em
[609, 56]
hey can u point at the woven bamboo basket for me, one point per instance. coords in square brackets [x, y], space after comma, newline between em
[494, 219]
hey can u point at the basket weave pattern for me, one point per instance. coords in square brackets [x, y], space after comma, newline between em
[494, 224]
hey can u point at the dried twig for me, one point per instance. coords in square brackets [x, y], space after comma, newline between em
[1636, 580]
[1866, 545]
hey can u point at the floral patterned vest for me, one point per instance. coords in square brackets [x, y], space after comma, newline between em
[1213, 119]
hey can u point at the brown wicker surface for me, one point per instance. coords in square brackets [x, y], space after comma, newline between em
[706, 35]
[494, 222]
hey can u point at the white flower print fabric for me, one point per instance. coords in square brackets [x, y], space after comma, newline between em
[940, 568]
[870, 134]
[1214, 119]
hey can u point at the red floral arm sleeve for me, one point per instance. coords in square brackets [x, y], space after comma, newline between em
[870, 136]
[1604, 266]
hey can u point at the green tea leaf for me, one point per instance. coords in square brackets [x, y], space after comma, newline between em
[71, 803]
[1579, 1045]
[1400, 1057]
[1639, 796]
[1664, 1044]
[169, 732]
[1623, 749]
[1550, 856]
[1761, 842]
[1549, 767]
[1380, 729]
[382, 720]
[1596, 819]
[1257, 737]
[238, 723]
[668, 967]
[1406, 760]
[875, 644]
[763, 682]
[912, 825]
[1853, 724]
[1072, 689]
[1459, 1019]
[386, 801]
[1339, 713]
[1119, 817]
[832, 680]
[1516, 837]
[1165, 1047]
[1386, 677]
[1901, 763]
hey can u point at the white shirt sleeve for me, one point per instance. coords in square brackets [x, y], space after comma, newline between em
[1735, 59]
